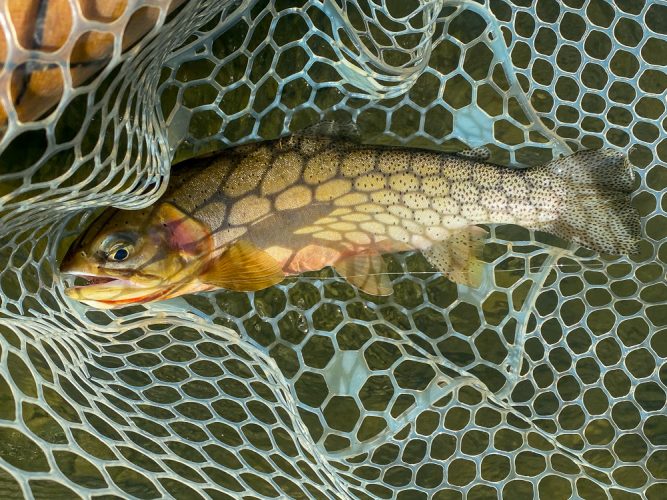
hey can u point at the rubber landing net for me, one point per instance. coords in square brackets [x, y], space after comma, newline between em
[546, 382]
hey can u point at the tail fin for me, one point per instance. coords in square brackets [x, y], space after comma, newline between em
[597, 212]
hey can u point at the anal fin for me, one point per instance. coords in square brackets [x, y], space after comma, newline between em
[244, 268]
[457, 257]
[367, 272]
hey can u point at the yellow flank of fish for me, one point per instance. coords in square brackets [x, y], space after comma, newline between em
[400, 211]
[321, 167]
[332, 189]
[248, 209]
[329, 235]
[416, 200]
[307, 230]
[393, 161]
[369, 182]
[398, 233]
[386, 197]
[359, 238]
[374, 227]
[446, 206]
[370, 208]
[340, 212]
[294, 197]
[357, 163]
[427, 217]
[356, 217]
[248, 174]
[351, 200]
[404, 182]
[285, 172]
[433, 186]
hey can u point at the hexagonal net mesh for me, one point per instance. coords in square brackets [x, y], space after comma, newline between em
[548, 381]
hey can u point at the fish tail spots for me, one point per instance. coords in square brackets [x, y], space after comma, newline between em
[597, 212]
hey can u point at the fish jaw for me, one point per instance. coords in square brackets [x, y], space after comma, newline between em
[107, 292]
[113, 304]
[112, 293]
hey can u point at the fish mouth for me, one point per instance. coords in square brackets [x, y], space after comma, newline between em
[94, 280]
[108, 292]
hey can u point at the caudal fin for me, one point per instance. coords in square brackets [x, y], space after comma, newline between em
[597, 212]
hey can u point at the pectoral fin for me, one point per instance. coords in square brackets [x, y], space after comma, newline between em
[244, 268]
[457, 257]
[367, 272]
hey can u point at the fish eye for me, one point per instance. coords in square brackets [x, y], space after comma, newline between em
[116, 247]
[120, 254]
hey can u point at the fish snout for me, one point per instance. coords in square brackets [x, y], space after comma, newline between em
[74, 262]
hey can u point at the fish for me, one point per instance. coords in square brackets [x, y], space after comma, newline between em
[252, 215]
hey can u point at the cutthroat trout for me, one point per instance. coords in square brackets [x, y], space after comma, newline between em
[245, 219]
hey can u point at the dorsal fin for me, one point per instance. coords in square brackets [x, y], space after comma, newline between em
[367, 272]
[480, 153]
[457, 257]
[244, 268]
[332, 129]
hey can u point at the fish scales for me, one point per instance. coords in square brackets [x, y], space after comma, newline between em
[429, 189]
[251, 215]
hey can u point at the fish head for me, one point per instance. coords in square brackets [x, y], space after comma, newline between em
[134, 257]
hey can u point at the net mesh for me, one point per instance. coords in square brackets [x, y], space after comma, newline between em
[547, 381]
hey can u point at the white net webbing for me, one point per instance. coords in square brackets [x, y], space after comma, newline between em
[549, 381]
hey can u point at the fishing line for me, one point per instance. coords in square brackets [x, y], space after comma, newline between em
[562, 267]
